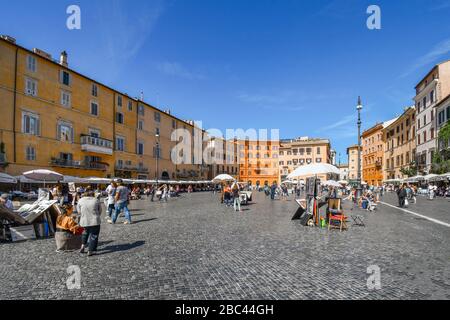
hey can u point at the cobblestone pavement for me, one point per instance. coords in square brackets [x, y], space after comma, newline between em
[195, 248]
[438, 208]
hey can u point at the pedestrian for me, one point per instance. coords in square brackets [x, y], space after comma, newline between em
[273, 189]
[236, 197]
[6, 201]
[401, 193]
[121, 199]
[111, 202]
[90, 210]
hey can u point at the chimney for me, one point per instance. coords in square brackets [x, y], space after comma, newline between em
[63, 59]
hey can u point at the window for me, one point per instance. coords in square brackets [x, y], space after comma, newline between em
[318, 160]
[119, 117]
[31, 153]
[432, 96]
[141, 125]
[141, 110]
[66, 156]
[174, 124]
[424, 136]
[157, 117]
[30, 123]
[119, 101]
[424, 102]
[94, 90]
[318, 150]
[119, 164]
[31, 63]
[140, 148]
[157, 132]
[65, 98]
[432, 133]
[94, 108]
[120, 143]
[425, 120]
[64, 78]
[65, 132]
[31, 87]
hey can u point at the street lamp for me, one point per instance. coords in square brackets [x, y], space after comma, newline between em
[358, 187]
[157, 158]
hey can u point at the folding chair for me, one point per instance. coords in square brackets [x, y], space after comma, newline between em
[336, 215]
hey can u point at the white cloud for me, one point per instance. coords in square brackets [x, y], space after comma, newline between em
[124, 32]
[432, 57]
[176, 69]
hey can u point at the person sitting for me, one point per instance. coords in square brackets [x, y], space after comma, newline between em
[6, 201]
[68, 232]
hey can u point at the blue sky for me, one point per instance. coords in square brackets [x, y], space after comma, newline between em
[292, 65]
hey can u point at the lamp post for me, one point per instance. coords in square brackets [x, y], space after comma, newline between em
[157, 158]
[358, 187]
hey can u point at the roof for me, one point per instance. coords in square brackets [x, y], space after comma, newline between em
[430, 72]
[389, 122]
[98, 82]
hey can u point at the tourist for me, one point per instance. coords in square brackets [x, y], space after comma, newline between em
[273, 190]
[90, 210]
[121, 199]
[152, 192]
[111, 202]
[68, 232]
[401, 193]
[236, 197]
[4, 200]
[165, 193]
[227, 195]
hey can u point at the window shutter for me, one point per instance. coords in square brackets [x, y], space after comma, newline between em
[71, 135]
[38, 127]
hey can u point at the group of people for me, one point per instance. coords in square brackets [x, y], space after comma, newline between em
[231, 196]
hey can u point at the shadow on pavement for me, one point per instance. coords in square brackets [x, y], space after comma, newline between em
[120, 247]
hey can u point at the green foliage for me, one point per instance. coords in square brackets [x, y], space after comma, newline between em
[444, 133]
[409, 171]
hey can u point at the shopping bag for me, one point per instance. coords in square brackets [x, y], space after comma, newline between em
[406, 202]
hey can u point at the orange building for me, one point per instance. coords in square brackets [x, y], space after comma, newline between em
[258, 161]
[373, 153]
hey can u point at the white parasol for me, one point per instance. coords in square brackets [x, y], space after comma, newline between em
[43, 175]
[6, 178]
[223, 178]
[313, 169]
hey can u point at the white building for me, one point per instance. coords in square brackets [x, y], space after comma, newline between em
[430, 91]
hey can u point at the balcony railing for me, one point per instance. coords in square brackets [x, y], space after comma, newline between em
[98, 145]
[77, 164]
[129, 168]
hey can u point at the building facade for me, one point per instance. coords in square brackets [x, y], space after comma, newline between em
[399, 139]
[352, 153]
[344, 172]
[430, 91]
[56, 118]
[442, 118]
[302, 151]
[258, 161]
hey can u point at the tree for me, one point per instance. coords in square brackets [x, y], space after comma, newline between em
[441, 159]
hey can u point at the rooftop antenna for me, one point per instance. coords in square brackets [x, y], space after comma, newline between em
[142, 95]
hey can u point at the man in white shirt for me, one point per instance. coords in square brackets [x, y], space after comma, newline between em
[111, 191]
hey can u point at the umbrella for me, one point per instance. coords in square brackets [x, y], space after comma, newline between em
[97, 180]
[6, 178]
[43, 175]
[430, 177]
[332, 183]
[68, 179]
[363, 182]
[223, 178]
[313, 169]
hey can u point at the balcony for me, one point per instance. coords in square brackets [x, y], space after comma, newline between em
[130, 168]
[378, 164]
[64, 163]
[97, 145]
